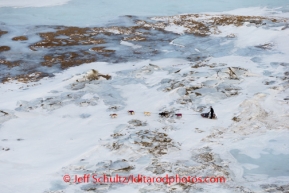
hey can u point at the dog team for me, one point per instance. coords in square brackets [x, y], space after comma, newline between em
[162, 114]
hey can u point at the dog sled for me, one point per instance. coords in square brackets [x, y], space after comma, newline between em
[207, 115]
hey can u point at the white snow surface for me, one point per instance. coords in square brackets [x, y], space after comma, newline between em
[60, 126]
[129, 44]
[175, 28]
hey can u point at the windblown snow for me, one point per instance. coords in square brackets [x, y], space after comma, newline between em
[61, 125]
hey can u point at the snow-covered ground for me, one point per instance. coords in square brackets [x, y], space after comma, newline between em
[62, 126]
